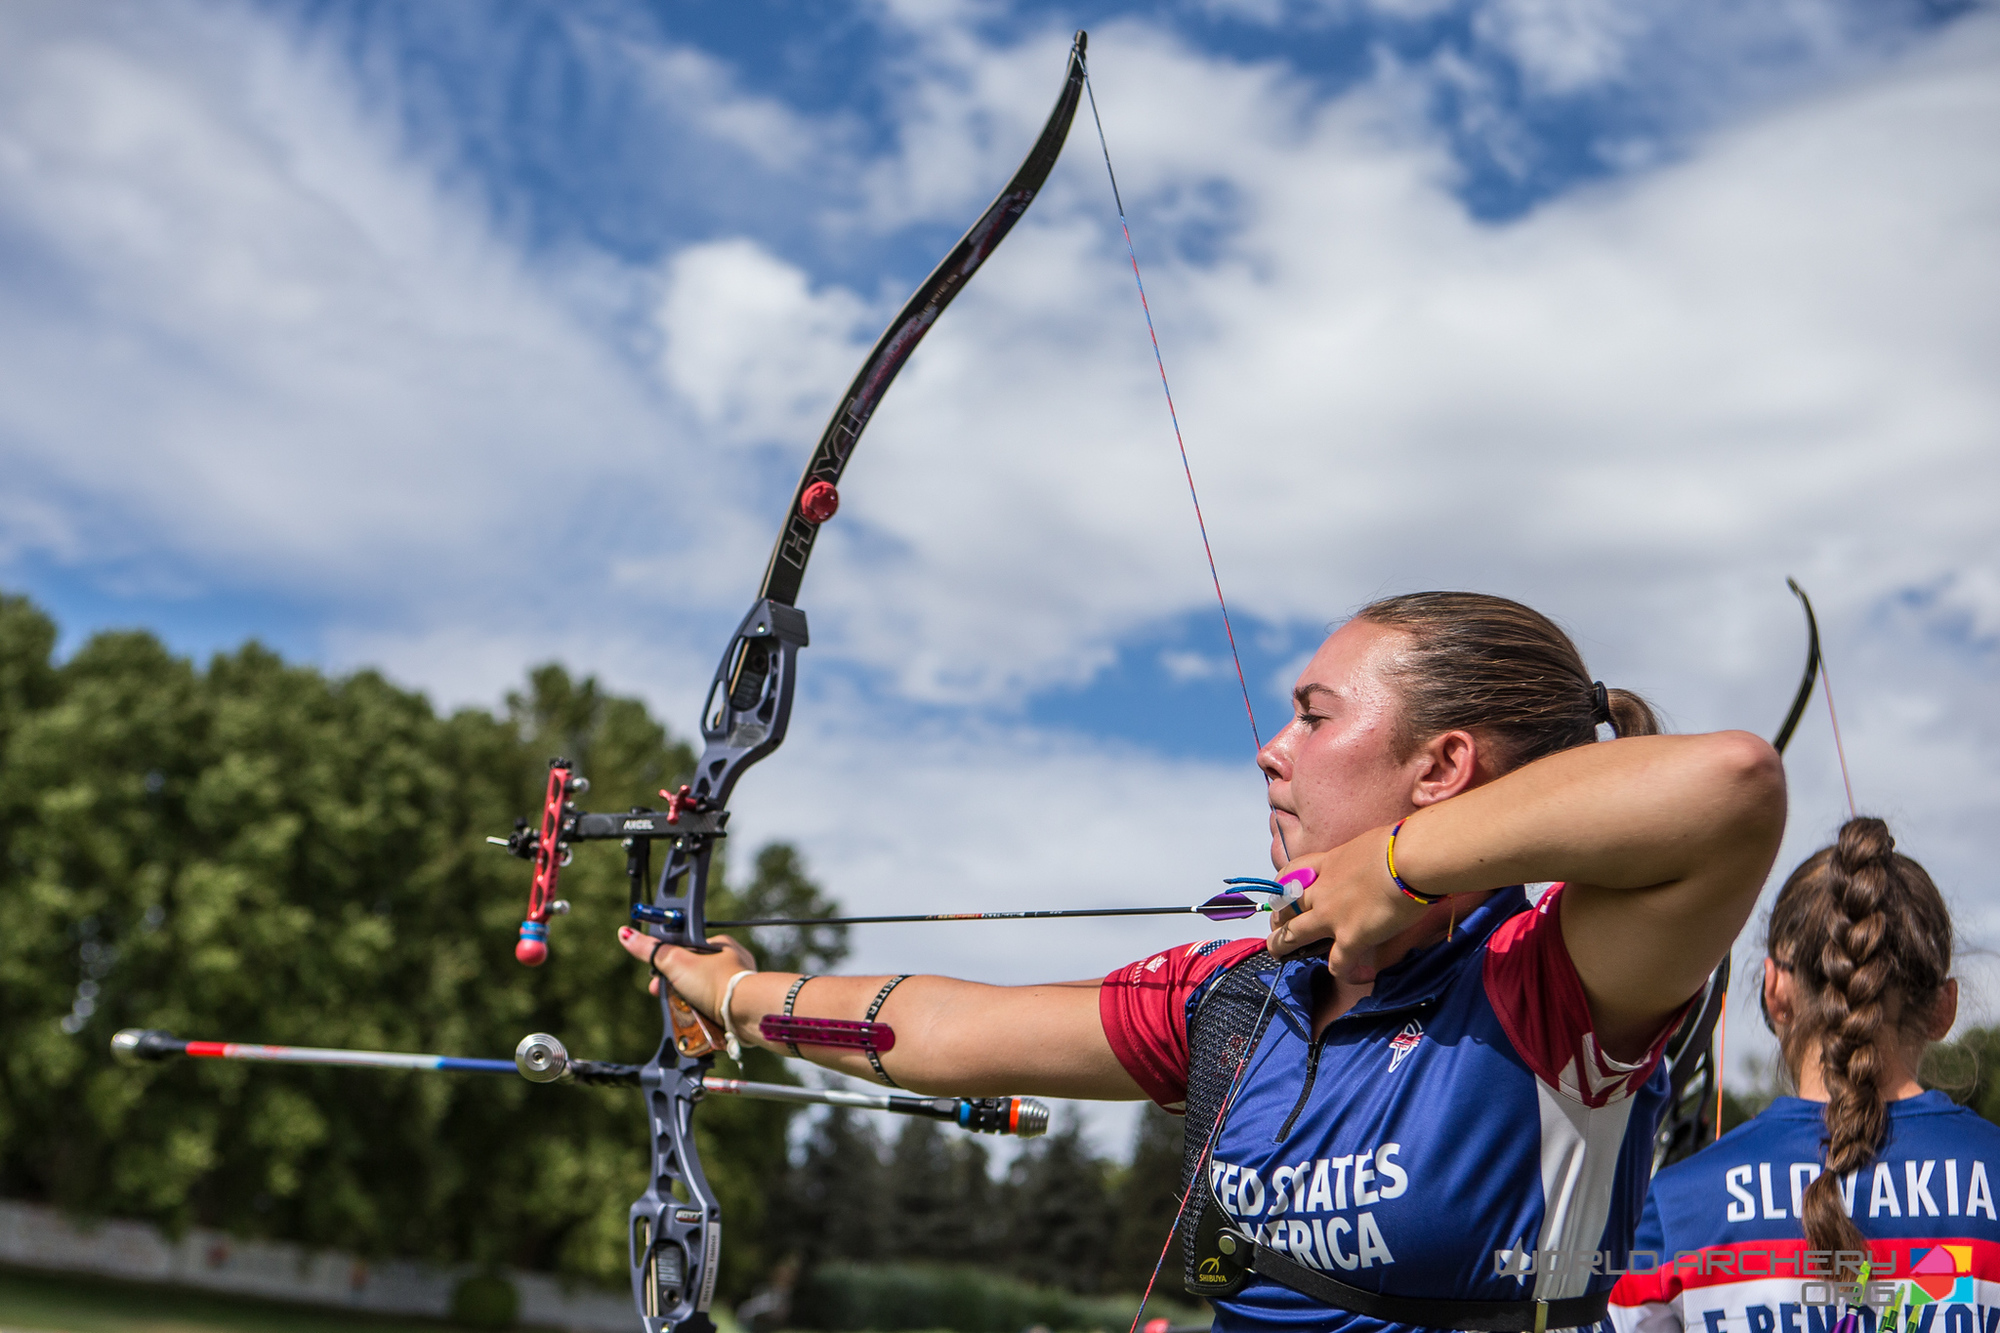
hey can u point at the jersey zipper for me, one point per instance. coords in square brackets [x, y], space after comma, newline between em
[1305, 1089]
[1312, 1057]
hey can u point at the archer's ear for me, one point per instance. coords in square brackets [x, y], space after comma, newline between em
[1780, 1000]
[1946, 1013]
[1450, 764]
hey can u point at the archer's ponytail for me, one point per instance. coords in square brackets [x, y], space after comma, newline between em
[1865, 935]
[1493, 666]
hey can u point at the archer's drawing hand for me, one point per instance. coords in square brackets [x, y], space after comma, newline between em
[698, 978]
[1351, 902]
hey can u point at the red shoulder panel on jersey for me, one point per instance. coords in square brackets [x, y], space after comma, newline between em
[1144, 1008]
[1538, 997]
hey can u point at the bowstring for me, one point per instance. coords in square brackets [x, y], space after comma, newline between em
[1200, 1172]
[1180, 442]
[1721, 1059]
[1826, 683]
[1847, 783]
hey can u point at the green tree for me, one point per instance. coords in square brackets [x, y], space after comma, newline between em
[780, 887]
[1057, 1205]
[1968, 1070]
[256, 851]
[1146, 1197]
[834, 1197]
[920, 1197]
[971, 1233]
[940, 1197]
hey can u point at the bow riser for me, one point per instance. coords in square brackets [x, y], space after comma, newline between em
[748, 712]
[674, 1233]
[675, 1227]
[674, 1230]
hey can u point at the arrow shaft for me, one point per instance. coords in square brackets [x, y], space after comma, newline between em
[961, 916]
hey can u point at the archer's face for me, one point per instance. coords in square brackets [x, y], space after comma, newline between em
[1333, 772]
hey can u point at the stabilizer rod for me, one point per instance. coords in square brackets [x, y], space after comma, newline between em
[540, 1058]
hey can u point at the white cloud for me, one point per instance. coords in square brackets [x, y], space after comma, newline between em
[699, 91]
[246, 331]
[1186, 666]
[1561, 46]
[747, 343]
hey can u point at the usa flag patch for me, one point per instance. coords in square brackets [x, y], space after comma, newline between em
[1404, 1042]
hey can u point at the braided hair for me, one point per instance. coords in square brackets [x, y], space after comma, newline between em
[1867, 939]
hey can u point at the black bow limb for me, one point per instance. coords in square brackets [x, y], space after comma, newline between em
[1693, 1117]
[674, 1234]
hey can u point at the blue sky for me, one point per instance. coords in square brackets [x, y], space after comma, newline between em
[551, 120]
[457, 337]
[1541, 97]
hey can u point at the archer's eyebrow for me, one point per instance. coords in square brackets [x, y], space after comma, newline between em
[1302, 697]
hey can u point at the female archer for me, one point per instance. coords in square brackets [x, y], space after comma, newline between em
[1426, 1099]
[1864, 1167]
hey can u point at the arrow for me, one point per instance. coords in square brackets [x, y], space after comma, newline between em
[1222, 907]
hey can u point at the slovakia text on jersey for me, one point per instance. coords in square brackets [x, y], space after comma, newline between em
[1725, 1227]
[1455, 1120]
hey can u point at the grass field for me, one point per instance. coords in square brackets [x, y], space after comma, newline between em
[37, 1302]
[33, 1302]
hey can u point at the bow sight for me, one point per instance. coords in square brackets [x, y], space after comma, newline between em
[675, 1227]
[749, 707]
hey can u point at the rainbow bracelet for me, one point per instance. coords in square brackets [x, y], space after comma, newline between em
[1427, 899]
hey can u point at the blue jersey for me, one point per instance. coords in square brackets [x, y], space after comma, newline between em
[1731, 1253]
[1456, 1122]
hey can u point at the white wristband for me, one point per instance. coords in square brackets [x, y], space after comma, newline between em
[729, 1036]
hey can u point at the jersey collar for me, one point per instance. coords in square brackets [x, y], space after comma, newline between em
[1418, 979]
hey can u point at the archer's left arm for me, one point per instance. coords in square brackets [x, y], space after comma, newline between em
[952, 1037]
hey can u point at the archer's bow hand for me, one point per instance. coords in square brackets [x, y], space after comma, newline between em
[698, 978]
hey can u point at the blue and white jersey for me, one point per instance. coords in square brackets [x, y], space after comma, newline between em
[1731, 1252]
[1453, 1122]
